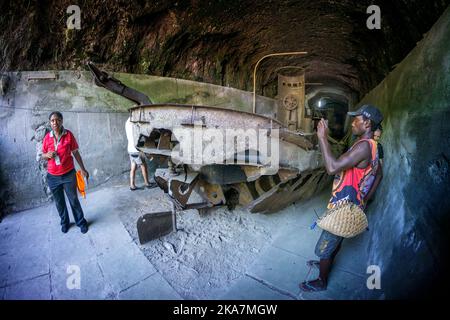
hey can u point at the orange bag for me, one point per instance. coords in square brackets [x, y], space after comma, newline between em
[81, 186]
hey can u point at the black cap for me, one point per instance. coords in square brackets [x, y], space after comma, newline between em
[370, 112]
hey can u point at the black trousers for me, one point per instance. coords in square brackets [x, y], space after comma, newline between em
[66, 183]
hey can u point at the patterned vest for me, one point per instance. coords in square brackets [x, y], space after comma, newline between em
[353, 184]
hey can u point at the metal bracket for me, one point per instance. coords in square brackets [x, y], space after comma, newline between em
[154, 225]
[103, 79]
[43, 76]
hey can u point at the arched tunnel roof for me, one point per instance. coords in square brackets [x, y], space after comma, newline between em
[219, 41]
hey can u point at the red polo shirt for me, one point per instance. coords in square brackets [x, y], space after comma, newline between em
[67, 144]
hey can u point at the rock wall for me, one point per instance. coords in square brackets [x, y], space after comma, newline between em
[95, 116]
[217, 41]
[409, 219]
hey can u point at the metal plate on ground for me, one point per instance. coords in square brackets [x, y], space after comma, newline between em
[151, 226]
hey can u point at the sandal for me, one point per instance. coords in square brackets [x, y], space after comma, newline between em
[133, 189]
[313, 264]
[151, 185]
[313, 286]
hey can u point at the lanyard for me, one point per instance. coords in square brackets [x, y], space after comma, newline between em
[56, 143]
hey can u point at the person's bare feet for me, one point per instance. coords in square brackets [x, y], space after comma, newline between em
[313, 263]
[313, 285]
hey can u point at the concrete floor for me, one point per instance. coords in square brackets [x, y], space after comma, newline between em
[37, 261]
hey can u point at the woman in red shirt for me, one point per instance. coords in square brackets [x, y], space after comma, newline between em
[58, 147]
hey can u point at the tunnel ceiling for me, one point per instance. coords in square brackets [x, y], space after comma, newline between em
[218, 41]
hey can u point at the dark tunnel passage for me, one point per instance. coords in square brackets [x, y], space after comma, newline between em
[403, 68]
[333, 108]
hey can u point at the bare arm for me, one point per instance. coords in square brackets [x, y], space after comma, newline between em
[44, 154]
[48, 155]
[77, 157]
[348, 160]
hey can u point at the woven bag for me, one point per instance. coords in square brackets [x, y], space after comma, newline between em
[346, 220]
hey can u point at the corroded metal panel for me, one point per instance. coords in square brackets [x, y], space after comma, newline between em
[229, 156]
[291, 103]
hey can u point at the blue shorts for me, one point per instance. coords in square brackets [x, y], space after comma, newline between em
[327, 244]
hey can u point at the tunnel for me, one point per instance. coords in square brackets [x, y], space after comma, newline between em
[391, 54]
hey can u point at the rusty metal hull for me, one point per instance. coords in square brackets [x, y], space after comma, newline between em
[244, 176]
[225, 156]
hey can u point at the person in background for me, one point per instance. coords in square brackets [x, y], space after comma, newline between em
[57, 148]
[379, 175]
[377, 136]
[136, 159]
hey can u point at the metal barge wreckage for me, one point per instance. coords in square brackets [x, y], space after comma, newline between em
[227, 157]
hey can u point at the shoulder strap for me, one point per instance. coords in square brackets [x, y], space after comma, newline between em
[357, 142]
[372, 146]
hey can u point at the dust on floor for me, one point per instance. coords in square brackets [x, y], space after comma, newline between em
[209, 252]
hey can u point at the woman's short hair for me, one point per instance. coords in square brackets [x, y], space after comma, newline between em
[56, 113]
